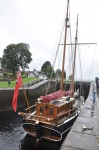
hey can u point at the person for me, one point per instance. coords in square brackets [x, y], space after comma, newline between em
[77, 94]
[94, 93]
[9, 82]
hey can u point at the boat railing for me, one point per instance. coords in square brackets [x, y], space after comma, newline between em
[67, 112]
[32, 116]
[46, 118]
[30, 107]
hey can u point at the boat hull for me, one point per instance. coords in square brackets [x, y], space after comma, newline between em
[48, 132]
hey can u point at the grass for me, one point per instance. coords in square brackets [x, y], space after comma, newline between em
[12, 85]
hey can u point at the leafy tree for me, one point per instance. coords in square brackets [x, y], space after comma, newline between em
[45, 66]
[58, 73]
[47, 69]
[16, 54]
[64, 74]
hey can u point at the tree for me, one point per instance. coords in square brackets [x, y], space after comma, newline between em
[58, 73]
[64, 74]
[45, 66]
[47, 69]
[16, 54]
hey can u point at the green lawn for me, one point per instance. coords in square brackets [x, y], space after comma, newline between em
[12, 85]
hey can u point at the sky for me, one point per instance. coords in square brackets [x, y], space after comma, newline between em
[39, 23]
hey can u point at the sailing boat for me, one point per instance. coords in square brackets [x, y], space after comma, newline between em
[54, 113]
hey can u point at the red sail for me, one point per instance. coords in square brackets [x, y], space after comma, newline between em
[52, 96]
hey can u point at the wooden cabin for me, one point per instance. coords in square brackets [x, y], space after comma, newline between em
[55, 110]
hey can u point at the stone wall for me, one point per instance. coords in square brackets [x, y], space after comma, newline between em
[32, 93]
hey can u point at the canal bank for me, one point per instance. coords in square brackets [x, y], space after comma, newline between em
[84, 134]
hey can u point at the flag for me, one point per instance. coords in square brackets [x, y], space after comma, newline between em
[18, 85]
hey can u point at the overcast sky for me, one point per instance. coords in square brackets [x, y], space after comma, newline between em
[39, 22]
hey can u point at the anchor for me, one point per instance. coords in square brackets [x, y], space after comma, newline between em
[84, 128]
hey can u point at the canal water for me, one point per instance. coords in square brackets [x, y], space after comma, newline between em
[11, 132]
[13, 137]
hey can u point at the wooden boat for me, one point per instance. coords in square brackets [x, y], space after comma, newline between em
[55, 113]
[52, 118]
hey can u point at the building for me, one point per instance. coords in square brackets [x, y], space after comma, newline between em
[37, 74]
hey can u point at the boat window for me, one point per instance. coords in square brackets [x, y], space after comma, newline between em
[33, 129]
[41, 110]
[70, 107]
[61, 108]
[47, 133]
[51, 111]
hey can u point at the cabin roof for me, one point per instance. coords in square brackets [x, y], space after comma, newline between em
[58, 102]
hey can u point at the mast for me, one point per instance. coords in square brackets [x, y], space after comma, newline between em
[76, 38]
[62, 74]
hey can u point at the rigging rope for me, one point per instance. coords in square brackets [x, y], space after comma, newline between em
[55, 61]
[92, 63]
[81, 83]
